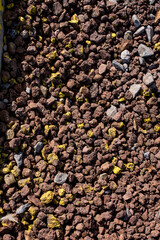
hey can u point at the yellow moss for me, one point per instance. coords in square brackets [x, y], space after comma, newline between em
[121, 99]
[51, 55]
[33, 10]
[112, 132]
[1, 211]
[113, 35]
[62, 146]
[23, 182]
[116, 170]
[53, 222]
[33, 212]
[62, 202]
[69, 45]
[79, 159]
[61, 192]
[74, 19]
[70, 197]
[25, 129]
[82, 50]
[44, 19]
[68, 114]
[47, 197]
[1, 6]
[146, 120]
[157, 46]
[61, 95]
[46, 129]
[53, 40]
[51, 157]
[55, 75]
[130, 166]
[81, 125]
[38, 180]
[114, 160]
[13, 81]
[10, 5]
[146, 93]
[88, 42]
[4, 224]
[157, 128]
[87, 188]
[44, 141]
[106, 146]
[121, 124]
[90, 133]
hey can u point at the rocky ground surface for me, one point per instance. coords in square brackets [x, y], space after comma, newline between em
[80, 120]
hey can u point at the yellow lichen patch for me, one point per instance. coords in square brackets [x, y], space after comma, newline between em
[70, 197]
[10, 5]
[69, 45]
[23, 182]
[25, 129]
[87, 188]
[82, 50]
[121, 100]
[16, 171]
[116, 170]
[142, 130]
[47, 197]
[130, 166]
[157, 46]
[53, 40]
[33, 212]
[30, 227]
[113, 35]
[53, 222]
[44, 19]
[146, 120]
[74, 19]
[63, 202]
[146, 93]
[81, 125]
[1, 211]
[61, 95]
[61, 192]
[90, 133]
[37, 174]
[38, 180]
[68, 114]
[62, 146]
[51, 55]
[32, 10]
[114, 160]
[55, 76]
[121, 124]
[51, 157]
[112, 132]
[20, 79]
[23, 146]
[21, 19]
[157, 128]
[88, 42]
[79, 159]
[106, 146]
[24, 222]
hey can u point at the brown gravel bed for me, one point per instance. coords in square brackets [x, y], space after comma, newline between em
[80, 120]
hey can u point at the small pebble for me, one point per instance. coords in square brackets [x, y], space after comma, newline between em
[128, 35]
[38, 147]
[118, 66]
[125, 56]
[142, 61]
[145, 51]
[149, 32]
[148, 79]
[18, 159]
[22, 208]
[9, 179]
[111, 112]
[5, 100]
[61, 178]
[147, 155]
[139, 31]
[28, 90]
[134, 89]
[152, 1]
[152, 17]
[136, 21]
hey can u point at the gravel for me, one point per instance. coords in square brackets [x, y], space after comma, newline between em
[145, 51]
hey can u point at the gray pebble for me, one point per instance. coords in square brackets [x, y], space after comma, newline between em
[148, 79]
[128, 35]
[18, 159]
[22, 208]
[24, 34]
[136, 21]
[152, 16]
[61, 178]
[147, 155]
[125, 67]
[149, 32]
[38, 147]
[28, 90]
[145, 51]
[139, 31]
[111, 112]
[118, 66]
[125, 56]
[5, 100]
[142, 61]
[134, 89]
[151, 1]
